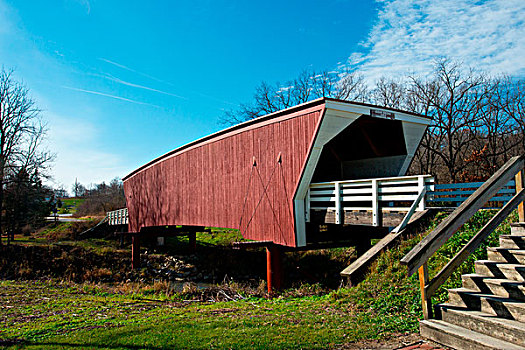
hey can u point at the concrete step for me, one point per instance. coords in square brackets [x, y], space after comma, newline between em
[457, 337]
[508, 330]
[498, 306]
[497, 286]
[495, 269]
[513, 256]
[517, 228]
[512, 241]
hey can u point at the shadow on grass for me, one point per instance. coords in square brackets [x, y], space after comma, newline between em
[115, 339]
[66, 345]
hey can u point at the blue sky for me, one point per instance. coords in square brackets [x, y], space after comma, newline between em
[122, 82]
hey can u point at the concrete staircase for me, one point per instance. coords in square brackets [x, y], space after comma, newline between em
[488, 312]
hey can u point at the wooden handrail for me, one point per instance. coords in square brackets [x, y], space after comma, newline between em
[473, 244]
[417, 258]
[411, 211]
[433, 241]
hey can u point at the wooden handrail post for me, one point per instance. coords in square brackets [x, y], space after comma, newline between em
[426, 300]
[519, 186]
[339, 211]
[376, 216]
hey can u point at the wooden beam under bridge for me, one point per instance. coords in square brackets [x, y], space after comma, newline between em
[163, 231]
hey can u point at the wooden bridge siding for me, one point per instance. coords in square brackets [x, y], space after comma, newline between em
[206, 185]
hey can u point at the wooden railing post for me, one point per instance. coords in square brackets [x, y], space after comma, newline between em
[376, 218]
[426, 300]
[339, 211]
[519, 186]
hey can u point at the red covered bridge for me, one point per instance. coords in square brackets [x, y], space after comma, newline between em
[256, 176]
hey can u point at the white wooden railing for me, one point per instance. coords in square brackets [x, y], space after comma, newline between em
[117, 217]
[375, 195]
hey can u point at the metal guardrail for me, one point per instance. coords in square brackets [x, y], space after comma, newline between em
[381, 194]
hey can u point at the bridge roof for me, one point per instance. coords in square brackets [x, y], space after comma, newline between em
[330, 102]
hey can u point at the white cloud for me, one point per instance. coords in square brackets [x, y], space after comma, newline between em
[120, 81]
[409, 35]
[119, 65]
[133, 70]
[110, 96]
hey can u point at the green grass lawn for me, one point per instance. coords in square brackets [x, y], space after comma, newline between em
[63, 315]
[70, 205]
[46, 315]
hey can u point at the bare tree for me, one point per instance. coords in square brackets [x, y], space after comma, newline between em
[309, 85]
[454, 100]
[512, 102]
[60, 192]
[101, 198]
[21, 135]
[478, 122]
[390, 93]
[497, 138]
[79, 190]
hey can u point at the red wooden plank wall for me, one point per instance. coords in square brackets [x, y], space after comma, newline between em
[216, 184]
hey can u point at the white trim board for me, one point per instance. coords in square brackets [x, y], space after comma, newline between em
[337, 117]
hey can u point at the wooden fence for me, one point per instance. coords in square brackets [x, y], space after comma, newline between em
[117, 217]
[375, 195]
[452, 195]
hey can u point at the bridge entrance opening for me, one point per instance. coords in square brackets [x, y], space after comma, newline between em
[369, 147]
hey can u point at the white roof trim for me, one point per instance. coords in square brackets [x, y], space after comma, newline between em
[361, 109]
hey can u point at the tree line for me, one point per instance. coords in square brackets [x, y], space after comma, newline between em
[100, 198]
[24, 200]
[478, 121]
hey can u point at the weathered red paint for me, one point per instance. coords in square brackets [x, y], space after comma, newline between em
[214, 182]
[273, 267]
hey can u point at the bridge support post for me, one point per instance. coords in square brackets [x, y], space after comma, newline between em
[135, 251]
[273, 267]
